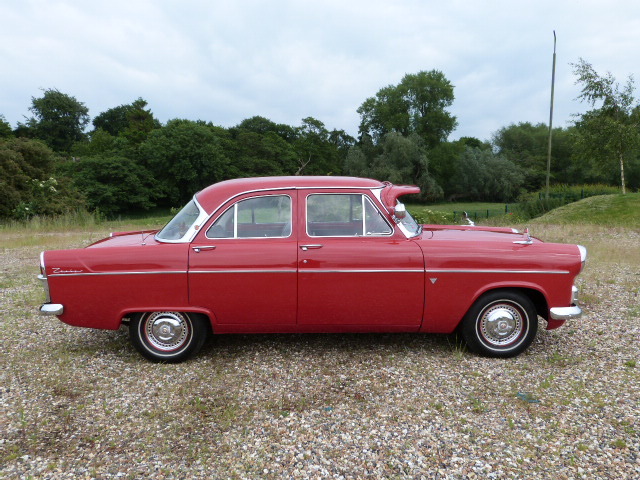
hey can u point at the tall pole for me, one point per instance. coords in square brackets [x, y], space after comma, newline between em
[553, 81]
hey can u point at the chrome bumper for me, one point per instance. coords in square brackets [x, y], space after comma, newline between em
[51, 309]
[565, 313]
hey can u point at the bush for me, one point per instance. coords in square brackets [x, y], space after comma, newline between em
[535, 204]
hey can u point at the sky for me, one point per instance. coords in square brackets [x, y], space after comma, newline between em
[226, 61]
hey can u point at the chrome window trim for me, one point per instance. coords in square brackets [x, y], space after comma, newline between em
[235, 218]
[364, 222]
[188, 237]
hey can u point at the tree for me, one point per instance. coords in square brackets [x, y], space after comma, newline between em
[404, 160]
[416, 105]
[316, 153]
[27, 181]
[526, 145]
[610, 133]
[113, 184]
[5, 128]
[59, 120]
[184, 156]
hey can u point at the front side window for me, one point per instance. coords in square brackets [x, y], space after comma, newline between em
[344, 215]
[184, 225]
[258, 217]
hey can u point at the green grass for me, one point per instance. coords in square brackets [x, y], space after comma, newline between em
[606, 210]
[463, 206]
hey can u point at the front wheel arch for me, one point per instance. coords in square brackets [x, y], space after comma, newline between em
[501, 323]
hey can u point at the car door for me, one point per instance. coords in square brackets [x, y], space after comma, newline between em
[356, 271]
[242, 266]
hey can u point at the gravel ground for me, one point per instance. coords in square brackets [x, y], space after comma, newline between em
[80, 403]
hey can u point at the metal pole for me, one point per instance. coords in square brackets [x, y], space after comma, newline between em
[553, 81]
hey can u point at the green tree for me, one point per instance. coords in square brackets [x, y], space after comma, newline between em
[526, 145]
[416, 105]
[610, 133]
[5, 128]
[112, 184]
[59, 120]
[28, 183]
[404, 160]
[317, 153]
[184, 156]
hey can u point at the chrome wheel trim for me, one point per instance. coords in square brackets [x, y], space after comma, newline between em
[502, 324]
[167, 331]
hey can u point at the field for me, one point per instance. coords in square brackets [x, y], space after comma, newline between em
[83, 404]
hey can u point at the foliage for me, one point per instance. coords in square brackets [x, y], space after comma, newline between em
[5, 128]
[482, 175]
[527, 146]
[183, 157]
[607, 135]
[416, 105]
[112, 184]
[535, 204]
[59, 120]
[608, 210]
[27, 181]
[426, 216]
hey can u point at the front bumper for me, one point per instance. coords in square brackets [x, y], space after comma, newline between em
[565, 313]
[51, 309]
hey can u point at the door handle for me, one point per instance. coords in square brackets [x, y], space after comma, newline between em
[199, 248]
[304, 248]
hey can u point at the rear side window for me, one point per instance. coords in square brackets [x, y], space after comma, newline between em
[344, 215]
[258, 217]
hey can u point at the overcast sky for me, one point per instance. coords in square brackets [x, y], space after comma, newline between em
[225, 61]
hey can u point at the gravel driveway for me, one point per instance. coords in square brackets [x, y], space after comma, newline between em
[80, 403]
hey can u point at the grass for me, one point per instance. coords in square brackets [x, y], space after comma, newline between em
[603, 210]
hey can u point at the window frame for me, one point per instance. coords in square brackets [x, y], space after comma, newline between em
[364, 216]
[235, 218]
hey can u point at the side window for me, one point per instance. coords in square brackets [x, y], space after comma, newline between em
[258, 217]
[344, 215]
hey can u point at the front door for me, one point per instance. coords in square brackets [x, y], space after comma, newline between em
[356, 271]
[242, 266]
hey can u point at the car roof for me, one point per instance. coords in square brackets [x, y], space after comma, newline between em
[211, 197]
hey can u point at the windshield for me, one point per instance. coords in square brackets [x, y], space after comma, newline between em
[184, 225]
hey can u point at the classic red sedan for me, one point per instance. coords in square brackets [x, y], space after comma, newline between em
[312, 254]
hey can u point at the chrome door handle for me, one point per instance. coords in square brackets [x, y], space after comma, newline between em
[310, 247]
[199, 248]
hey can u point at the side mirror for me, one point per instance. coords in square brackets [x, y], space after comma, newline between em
[400, 211]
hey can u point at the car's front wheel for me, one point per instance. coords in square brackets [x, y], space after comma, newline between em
[168, 336]
[502, 323]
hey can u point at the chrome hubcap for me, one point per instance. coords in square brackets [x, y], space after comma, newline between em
[501, 324]
[167, 331]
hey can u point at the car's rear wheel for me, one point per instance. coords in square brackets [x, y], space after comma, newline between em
[502, 323]
[168, 336]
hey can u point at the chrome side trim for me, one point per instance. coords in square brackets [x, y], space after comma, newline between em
[93, 274]
[565, 313]
[362, 271]
[239, 270]
[539, 272]
[51, 309]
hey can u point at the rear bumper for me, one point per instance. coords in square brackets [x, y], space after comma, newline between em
[51, 309]
[565, 313]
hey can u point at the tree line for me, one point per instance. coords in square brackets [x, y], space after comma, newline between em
[128, 160]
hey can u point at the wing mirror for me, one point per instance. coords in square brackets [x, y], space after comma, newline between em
[400, 211]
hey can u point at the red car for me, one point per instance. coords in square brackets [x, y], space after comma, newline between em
[312, 254]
